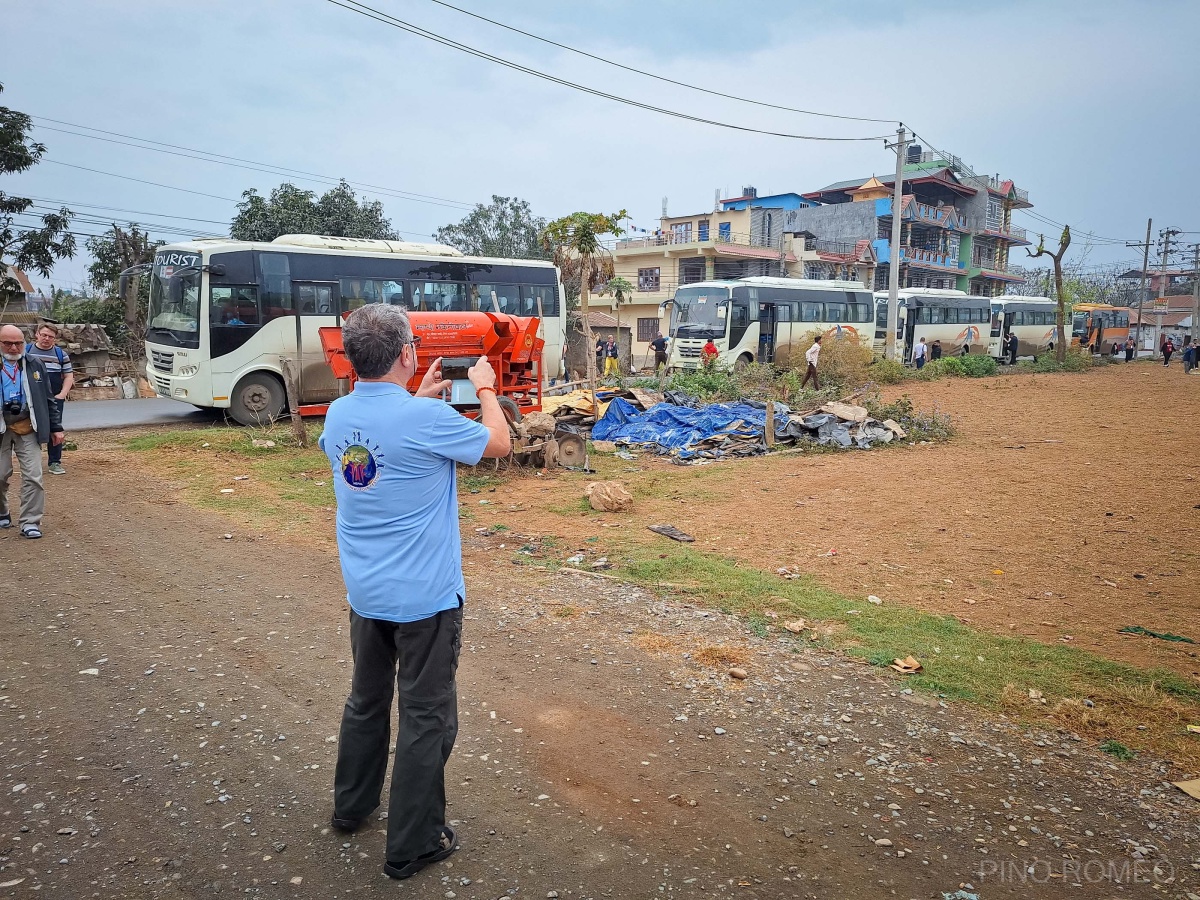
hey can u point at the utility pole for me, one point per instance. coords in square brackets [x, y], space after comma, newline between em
[1142, 283]
[1195, 329]
[1167, 235]
[893, 307]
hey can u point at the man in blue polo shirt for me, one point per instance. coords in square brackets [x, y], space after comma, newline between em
[393, 456]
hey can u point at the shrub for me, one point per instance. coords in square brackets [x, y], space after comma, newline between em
[947, 366]
[887, 371]
[920, 425]
[845, 362]
[977, 365]
[1078, 360]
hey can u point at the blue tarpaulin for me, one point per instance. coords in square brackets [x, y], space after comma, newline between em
[680, 430]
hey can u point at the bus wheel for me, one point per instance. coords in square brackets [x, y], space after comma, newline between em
[258, 399]
[742, 361]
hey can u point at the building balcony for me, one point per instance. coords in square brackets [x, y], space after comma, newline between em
[690, 244]
[1014, 234]
[922, 213]
[917, 258]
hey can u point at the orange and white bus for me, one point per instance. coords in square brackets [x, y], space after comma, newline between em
[764, 319]
[1097, 326]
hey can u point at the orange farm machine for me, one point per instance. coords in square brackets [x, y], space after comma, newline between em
[514, 350]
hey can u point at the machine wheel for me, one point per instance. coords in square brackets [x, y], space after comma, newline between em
[572, 450]
[742, 361]
[550, 454]
[512, 412]
[258, 399]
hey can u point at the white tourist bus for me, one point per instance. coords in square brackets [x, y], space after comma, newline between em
[222, 312]
[954, 318]
[1031, 319]
[763, 319]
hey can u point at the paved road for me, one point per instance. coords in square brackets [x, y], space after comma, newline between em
[85, 415]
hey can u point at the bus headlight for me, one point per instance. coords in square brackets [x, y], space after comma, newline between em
[188, 370]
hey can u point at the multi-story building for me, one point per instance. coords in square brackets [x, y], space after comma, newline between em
[746, 235]
[956, 228]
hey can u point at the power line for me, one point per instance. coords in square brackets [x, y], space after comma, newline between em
[238, 163]
[1036, 216]
[137, 212]
[371, 13]
[138, 180]
[683, 84]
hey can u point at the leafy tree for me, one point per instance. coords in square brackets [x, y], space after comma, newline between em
[574, 242]
[506, 228]
[33, 247]
[1060, 339]
[290, 210]
[113, 252]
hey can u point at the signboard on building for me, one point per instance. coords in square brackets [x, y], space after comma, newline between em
[1161, 306]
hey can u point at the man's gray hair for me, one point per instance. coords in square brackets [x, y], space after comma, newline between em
[374, 336]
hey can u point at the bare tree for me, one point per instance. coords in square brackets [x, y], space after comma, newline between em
[1060, 344]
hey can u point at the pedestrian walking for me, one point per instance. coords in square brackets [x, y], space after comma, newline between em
[393, 456]
[1129, 348]
[61, 374]
[29, 420]
[811, 355]
[919, 353]
[1189, 357]
[1168, 347]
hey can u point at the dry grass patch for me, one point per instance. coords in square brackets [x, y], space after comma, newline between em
[719, 655]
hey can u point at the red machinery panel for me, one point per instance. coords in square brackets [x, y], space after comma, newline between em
[509, 342]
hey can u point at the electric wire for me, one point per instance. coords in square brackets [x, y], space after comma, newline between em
[371, 13]
[267, 168]
[58, 162]
[663, 78]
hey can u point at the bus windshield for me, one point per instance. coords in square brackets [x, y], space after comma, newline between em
[700, 312]
[173, 316]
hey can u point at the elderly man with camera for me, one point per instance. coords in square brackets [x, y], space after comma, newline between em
[393, 456]
[29, 421]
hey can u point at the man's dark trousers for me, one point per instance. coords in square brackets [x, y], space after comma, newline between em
[419, 660]
[54, 451]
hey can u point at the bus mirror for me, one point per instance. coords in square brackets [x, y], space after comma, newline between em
[216, 269]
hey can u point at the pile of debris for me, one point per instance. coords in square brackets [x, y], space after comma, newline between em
[689, 431]
[575, 408]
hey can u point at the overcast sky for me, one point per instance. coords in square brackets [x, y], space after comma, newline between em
[1089, 105]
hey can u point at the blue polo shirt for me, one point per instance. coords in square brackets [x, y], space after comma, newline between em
[393, 457]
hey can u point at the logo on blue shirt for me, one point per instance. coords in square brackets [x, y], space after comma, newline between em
[361, 461]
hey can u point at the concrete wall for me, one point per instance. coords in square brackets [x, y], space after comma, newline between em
[841, 222]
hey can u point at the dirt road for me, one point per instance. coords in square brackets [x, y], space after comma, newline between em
[170, 700]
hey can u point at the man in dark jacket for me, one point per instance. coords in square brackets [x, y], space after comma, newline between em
[29, 421]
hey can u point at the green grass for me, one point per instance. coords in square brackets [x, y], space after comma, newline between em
[1117, 749]
[958, 661]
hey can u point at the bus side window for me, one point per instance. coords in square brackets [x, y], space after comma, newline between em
[810, 311]
[275, 286]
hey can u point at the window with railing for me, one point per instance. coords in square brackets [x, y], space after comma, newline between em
[649, 279]
[702, 230]
[681, 232]
[995, 215]
[724, 231]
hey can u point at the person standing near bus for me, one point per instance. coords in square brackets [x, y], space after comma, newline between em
[1010, 348]
[935, 352]
[393, 456]
[709, 354]
[811, 355]
[659, 346]
[61, 375]
[919, 353]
